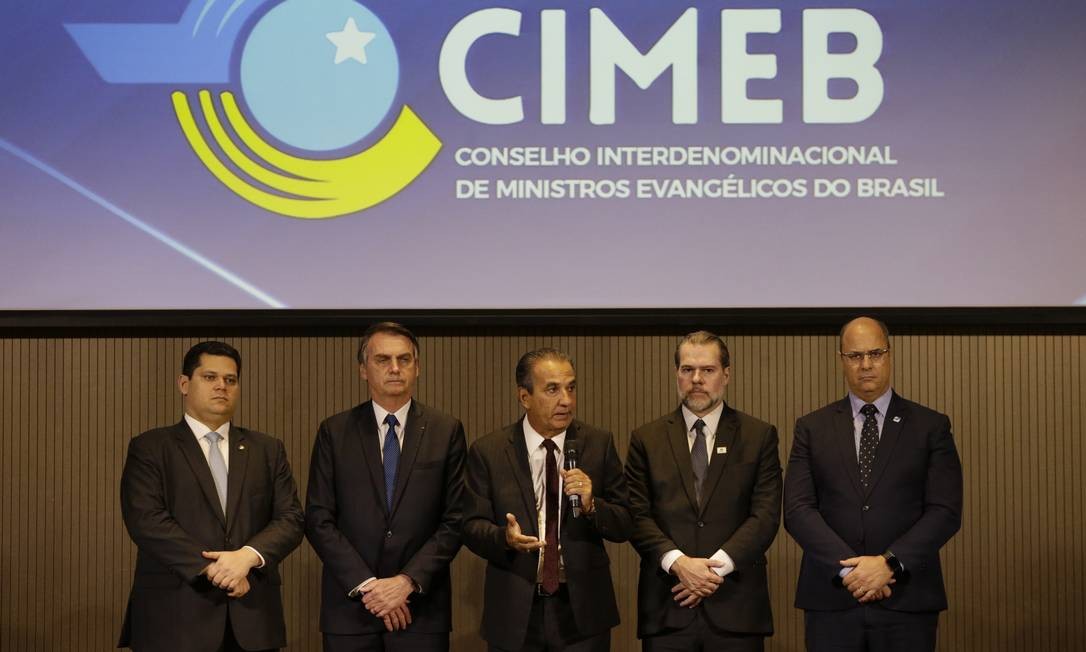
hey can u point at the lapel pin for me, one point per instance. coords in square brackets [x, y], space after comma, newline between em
[897, 419]
[721, 450]
[241, 447]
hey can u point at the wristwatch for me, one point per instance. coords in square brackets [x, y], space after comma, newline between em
[894, 563]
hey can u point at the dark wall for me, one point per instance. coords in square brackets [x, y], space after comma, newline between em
[70, 404]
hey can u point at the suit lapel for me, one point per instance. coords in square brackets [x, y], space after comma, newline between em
[891, 432]
[727, 430]
[414, 430]
[366, 430]
[680, 448]
[517, 452]
[194, 455]
[844, 435]
[239, 462]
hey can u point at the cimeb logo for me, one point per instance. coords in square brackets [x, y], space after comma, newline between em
[318, 75]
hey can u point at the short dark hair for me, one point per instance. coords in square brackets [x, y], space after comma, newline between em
[528, 361]
[882, 326]
[390, 328]
[705, 337]
[192, 358]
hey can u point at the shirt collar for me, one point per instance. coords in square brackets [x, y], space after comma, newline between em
[712, 420]
[534, 440]
[882, 402]
[401, 414]
[200, 429]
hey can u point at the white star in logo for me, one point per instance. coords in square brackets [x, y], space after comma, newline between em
[350, 43]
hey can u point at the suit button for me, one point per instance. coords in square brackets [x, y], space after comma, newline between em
[701, 523]
[388, 534]
[867, 507]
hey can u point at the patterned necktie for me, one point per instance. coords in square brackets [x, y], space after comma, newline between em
[869, 441]
[699, 458]
[550, 549]
[391, 457]
[218, 466]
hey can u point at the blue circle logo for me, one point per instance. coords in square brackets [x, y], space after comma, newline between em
[319, 75]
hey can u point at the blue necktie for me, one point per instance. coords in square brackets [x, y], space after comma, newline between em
[392, 457]
[218, 466]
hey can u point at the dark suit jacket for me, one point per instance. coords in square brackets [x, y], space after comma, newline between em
[912, 507]
[740, 514]
[499, 481]
[348, 523]
[172, 512]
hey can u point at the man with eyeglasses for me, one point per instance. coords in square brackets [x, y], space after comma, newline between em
[383, 508]
[873, 490]
[705, 492]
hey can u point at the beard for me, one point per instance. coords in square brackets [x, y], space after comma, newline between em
[700, 402]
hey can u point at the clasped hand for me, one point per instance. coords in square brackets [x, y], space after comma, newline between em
[229, 569]
[386, 598]
[697, 579]
[870, 578]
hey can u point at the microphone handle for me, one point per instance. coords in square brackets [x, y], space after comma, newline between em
[574, 499]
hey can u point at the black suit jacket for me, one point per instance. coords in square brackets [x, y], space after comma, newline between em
[740, 514]
[499, 482]
[349, 525]
[912, 506]
[172, 512]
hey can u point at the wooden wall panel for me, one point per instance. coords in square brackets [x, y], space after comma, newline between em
[68, 407]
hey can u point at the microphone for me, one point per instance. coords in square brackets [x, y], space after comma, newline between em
[569, 457]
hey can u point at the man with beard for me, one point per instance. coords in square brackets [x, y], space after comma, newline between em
[705, 492]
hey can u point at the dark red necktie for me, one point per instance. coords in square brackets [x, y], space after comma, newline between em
[550, 550]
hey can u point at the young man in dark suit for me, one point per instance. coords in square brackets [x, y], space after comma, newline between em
[213, 510]
[873, 491]
[383, 508]
[705, 491]
[548, 577]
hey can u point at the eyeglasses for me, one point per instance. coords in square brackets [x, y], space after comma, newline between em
[857, 357]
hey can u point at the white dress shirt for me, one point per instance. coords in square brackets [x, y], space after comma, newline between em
[201, 431]
[537, 461]
[712, 420]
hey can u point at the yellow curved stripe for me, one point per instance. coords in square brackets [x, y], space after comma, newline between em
[393, 156]
[325, 188]
[290, 185]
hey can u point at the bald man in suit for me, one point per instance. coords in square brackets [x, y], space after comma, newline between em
[873, 491]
